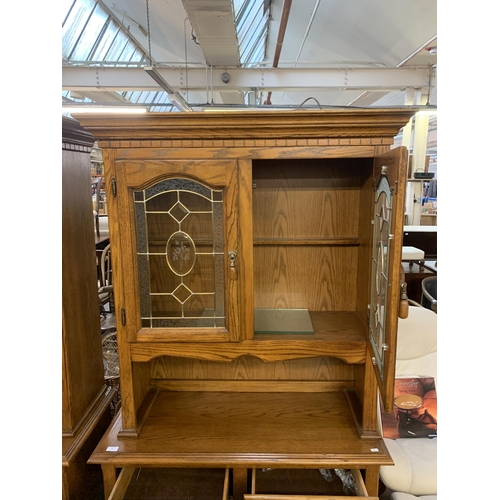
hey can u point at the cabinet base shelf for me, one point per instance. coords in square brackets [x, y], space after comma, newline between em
[223, 429]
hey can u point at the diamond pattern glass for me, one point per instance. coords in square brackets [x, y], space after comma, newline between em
[180, 254]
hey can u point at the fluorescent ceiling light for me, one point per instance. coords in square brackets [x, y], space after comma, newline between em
[104, 109]
[174, 97]
[237, 110]
[153, 73]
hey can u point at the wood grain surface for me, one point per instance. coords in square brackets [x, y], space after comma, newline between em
[210, 429]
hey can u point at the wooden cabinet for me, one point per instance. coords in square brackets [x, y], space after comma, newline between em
[256, 259]
[85, 396]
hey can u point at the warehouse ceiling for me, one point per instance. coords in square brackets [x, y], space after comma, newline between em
[332, 52]
[182, 55]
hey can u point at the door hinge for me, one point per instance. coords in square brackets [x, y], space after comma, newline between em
[124, 318]
[113, 186]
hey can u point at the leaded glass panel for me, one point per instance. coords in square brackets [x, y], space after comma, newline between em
[380, 270]
[180, 254]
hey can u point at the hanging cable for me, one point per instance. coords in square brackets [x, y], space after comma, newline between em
[149, 33]
[186, 59]
[305, 100]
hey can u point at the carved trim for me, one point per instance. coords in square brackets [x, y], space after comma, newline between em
[79, 148]
[86, 424]
[264, 350]
[75, 137]
[249, 143]
[235, 129]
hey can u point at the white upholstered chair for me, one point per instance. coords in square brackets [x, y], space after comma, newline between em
[408, 496]
[414, 475]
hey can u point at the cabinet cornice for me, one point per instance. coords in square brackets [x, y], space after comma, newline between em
[349, 123]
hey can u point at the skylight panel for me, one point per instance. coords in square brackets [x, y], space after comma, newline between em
[74, 25]
[90, 36]
[252, 18]
[106, 42]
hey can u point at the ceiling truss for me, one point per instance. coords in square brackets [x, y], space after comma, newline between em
[97, 78]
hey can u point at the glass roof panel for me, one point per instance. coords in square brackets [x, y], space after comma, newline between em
[252, 18]
[90, 33]
[93, 35]
[107, 39]
[74, 25]
[90, 36]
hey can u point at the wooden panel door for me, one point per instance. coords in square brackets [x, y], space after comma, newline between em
[178, 250]
[388, 221]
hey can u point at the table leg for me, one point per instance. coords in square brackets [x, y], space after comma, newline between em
[372, 480]
[239, 483]
[109, 478]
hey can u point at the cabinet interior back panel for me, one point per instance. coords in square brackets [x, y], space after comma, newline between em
[308, 198]
[310, 277]
[299, 208]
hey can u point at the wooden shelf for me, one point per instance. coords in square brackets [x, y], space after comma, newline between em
[308, 241]
[337, 334]
[247, 429]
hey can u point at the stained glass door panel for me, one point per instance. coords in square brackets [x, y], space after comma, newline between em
[178, 227]
[387, 240]
[180, 254]
[380, 271]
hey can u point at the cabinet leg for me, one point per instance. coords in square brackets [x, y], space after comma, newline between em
[372, 480]
[109, 478]
[239, 483]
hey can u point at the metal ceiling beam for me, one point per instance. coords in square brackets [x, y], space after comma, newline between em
[244, 79]
[101, 96]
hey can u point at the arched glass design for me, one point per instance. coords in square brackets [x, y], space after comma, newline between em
[380, 270]
[180, 254]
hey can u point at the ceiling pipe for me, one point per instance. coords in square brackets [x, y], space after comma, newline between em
[416, 52]
[285, 12]
[313, 15]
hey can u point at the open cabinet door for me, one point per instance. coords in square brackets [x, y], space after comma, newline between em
[390, 185]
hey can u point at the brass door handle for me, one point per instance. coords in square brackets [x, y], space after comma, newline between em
[232, 254]
[404, 305]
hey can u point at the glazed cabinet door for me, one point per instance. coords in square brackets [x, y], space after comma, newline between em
[178, 250]
[387, 240]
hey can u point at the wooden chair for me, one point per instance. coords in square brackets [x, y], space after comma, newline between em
[106, 299]
[110, 356]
